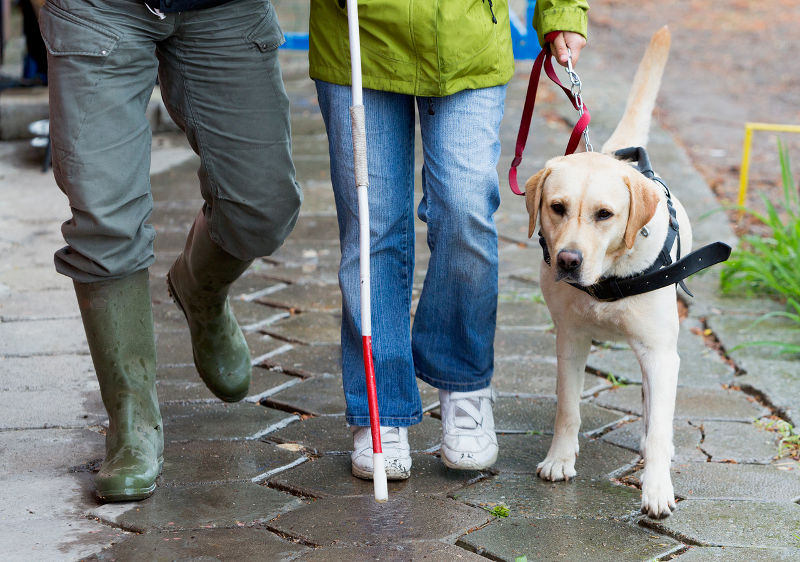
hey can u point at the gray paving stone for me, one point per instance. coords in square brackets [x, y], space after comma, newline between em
[536, 376]
[621, 363]
[219, 421]
[734, 554]
[686, 439]
[183, 384]
[42, 337]
[166, 316]
[690, 403]
[49, 391]
[521, 453]
[175, 348]
[361, 520]
[518, 344]
[308, 328]
[198, 462]
[738, 442]
[517, 309]
[330, 435]
[198, 507]
[319, 395]
[522, 413]
[205, 544]
[308, 360]
[252, 314]
[710, 480]
[47, 451]
[528, 496]
[305, 298]
[57, 537]
[313, 270]
[298, 252]
[405, 552]
[740, 523]
[30, 306]
[255, 280]
[566, 539]
[701, 366]
[331, 476]
[776, 380]
[735, 330]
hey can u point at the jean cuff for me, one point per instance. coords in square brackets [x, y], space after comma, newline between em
[363, 421]
[456, 386]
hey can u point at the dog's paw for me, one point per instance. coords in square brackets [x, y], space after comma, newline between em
[658, 497]
[554, 469]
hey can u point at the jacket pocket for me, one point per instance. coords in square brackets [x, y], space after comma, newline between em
[66, 34]
[267, 34]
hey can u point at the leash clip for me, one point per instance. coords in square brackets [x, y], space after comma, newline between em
[575, 90]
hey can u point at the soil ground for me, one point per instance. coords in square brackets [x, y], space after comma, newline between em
[732, 62]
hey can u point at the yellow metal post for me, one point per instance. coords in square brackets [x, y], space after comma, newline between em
[748, 137]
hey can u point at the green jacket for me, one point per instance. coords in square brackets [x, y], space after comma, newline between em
[428, 47]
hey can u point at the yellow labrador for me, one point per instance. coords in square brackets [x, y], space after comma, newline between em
[600, 217]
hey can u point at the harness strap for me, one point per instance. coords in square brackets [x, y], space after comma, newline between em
[543, 60]
[614, 289]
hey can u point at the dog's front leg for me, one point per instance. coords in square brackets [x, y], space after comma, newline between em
[572, 349]
[660, 381]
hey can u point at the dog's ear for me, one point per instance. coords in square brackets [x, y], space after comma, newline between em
[644, 200]
[533, 197]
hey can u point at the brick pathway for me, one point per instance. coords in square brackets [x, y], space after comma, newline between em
[269, 477]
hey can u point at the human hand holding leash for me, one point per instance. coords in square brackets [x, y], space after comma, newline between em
[566, 41]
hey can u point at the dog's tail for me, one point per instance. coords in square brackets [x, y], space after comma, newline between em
[634, 127]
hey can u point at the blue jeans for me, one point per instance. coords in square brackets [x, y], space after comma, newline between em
[451, 345]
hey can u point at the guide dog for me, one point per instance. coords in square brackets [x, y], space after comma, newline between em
[601, 218]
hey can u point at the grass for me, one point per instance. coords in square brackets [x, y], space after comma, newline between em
[500, 511]
[789, 444]
[768, 265]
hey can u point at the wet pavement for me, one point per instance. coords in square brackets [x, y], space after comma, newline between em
[269, 477]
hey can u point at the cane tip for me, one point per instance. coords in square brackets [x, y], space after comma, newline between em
[380, 485]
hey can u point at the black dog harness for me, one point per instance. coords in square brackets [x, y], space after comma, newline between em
[663, 271]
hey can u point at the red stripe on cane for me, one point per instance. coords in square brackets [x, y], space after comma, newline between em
[372, 394]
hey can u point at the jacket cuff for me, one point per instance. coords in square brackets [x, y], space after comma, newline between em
[560, 19]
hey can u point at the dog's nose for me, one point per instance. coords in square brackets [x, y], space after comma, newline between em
[569, 260]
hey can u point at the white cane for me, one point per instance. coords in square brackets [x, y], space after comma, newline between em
[362, 184]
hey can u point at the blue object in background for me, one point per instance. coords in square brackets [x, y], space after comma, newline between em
[523, 36]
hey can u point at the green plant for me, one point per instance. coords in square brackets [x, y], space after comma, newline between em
[768, 265]
[500, 510]
[615, 382]
[789, 444]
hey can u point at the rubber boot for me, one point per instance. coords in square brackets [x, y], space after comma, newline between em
[198, 282]
[118, 319]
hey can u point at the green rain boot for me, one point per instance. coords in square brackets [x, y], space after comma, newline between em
[118, 319]
[198, 282]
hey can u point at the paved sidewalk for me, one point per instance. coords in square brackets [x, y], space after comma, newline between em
[269, 478]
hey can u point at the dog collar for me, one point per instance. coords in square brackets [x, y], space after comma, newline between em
[663, 271]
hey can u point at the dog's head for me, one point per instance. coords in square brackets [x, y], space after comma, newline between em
[591, 207]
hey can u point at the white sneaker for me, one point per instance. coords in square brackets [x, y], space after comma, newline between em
[396, 452]
[468, 438]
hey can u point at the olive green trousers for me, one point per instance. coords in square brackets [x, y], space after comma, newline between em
[220, 81]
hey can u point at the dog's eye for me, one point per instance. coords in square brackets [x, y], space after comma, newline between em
[558, 209]
[603, 214]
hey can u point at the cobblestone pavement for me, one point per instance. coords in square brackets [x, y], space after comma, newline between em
[269, 477]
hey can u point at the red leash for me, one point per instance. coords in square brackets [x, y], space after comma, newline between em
[527, 112]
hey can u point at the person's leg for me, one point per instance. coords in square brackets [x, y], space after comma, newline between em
[101, 73]
[454, 325]
[221, 82]
[390, 154]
